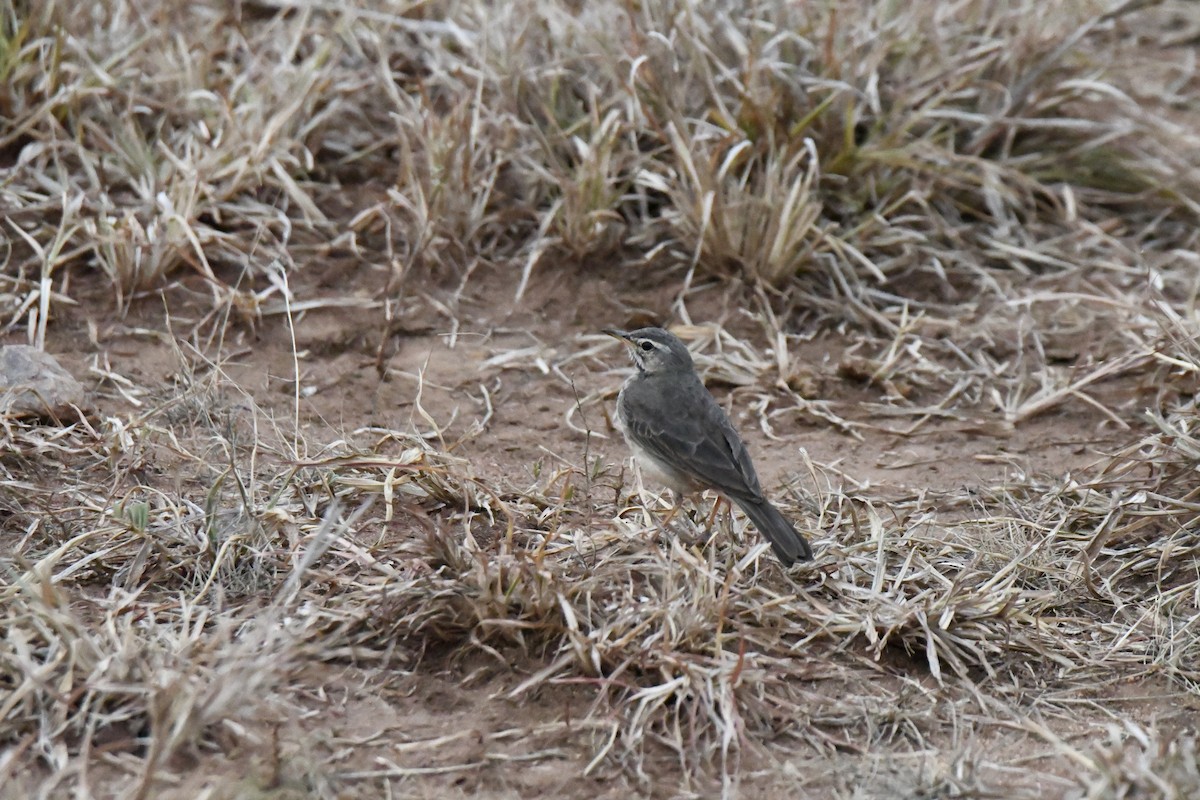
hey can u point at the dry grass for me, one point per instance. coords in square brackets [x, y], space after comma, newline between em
[997, 205]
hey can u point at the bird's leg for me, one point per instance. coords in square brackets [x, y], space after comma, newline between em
[676, 504]
[683, 533]
[709, 533]
[712, 517]
[664, 523]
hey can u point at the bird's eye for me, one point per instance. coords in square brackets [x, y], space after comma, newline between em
[647, 346]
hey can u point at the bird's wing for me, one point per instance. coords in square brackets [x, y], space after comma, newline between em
[695, 438]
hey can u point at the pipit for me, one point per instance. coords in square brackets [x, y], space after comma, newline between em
[682, 438]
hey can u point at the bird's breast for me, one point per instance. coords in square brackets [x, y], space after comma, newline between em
[652, 466]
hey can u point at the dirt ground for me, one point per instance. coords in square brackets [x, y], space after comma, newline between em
[349, 517]
[447, 724]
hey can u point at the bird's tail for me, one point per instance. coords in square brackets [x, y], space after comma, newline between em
[785, 540]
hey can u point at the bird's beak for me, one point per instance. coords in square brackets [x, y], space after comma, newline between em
[620, 336]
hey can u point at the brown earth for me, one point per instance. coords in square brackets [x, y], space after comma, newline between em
[444, 724]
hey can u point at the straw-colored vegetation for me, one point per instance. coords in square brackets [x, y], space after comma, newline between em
[989, 213]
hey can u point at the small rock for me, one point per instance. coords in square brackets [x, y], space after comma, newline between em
[33, 384]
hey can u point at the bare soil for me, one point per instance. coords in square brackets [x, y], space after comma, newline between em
[430, 724]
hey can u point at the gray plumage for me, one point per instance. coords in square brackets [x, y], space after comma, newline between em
[682, 437]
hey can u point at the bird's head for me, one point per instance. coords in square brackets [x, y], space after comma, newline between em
[654, 350]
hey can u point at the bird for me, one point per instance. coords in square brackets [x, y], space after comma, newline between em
[681, 437]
